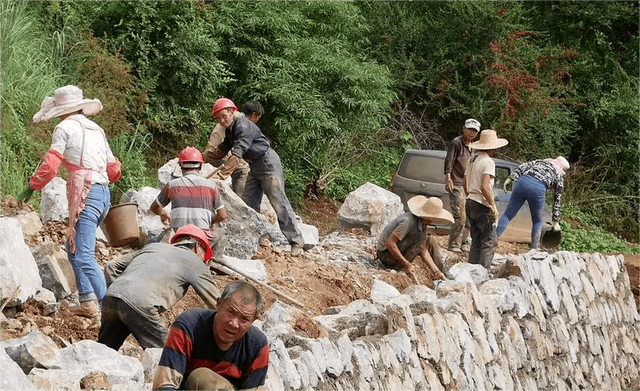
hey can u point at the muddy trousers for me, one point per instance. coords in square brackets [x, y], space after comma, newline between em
[483, 236]
[266, 177]
[460, 230]
[119, 320]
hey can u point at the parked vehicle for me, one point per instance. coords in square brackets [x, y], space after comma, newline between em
[422, 172]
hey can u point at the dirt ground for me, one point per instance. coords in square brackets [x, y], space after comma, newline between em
[316, 286]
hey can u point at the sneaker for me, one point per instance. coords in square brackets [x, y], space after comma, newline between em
[465, 248]
[455, 249]
[296, 249]
[87, 309]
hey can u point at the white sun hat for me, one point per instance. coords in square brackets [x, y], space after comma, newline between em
[489, 140]
[65, 100]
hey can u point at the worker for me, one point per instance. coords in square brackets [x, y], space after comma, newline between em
[253, 111]
[83, 147]
[155, 278]
[407, 236]
[194, 200]
[245, 140]
[209, 350]
[454, 165]
[532, 180]
[481, 206]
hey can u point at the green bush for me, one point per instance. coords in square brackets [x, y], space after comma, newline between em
[31, 70]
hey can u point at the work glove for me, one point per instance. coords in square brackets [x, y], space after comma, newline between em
[556, 226]
[507, 182]
[25, 194]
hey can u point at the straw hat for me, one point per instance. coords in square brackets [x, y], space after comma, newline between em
[65, 100]
[430, 208]
[489, 140]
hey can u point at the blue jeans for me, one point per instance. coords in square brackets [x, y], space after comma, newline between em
[531, 190]
[89, 278]
[483, 236]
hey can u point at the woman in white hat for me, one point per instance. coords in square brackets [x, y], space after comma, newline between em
[82, 145]
[406, 237]
[532, 180]
[481, 207]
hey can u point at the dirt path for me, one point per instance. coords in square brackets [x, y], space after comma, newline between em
[317, 286]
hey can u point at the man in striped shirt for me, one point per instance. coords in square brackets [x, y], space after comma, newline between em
[216, 350]
[194, 200]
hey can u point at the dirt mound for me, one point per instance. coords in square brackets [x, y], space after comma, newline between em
[317, 286]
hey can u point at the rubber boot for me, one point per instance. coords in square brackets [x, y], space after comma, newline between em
[88, 309]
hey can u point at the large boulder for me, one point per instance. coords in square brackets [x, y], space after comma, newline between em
[54, 205]
[11, 375]
[369, 207]
[18, 269]
[55, 269]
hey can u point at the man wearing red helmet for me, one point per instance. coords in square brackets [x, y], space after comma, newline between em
[194, 200]
[152, 281]
[245, 141]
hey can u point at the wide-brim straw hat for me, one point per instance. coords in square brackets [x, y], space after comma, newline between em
[430, 208]
[489, 140]
[65, 100]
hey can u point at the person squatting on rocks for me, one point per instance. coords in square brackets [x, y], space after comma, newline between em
[145, 283]
[253, 111]
[407, 236]
[83, 147]
[245, 141]
[481, 207]
[455, 163]
[194, 200]
[532, 180]
[216, 350]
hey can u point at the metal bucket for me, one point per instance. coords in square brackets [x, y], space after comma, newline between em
[549, 237]
[121, 225]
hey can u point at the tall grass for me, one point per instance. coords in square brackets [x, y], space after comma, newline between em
[31, 70]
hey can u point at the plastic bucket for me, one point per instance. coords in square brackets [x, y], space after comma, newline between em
[121, 225]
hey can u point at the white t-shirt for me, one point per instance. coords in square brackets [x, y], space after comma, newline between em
[479, 165]
[67, 139]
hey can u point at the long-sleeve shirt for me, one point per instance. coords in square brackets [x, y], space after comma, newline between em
[548, 173]
[245, 140]
[455, 163]
[159, 276]
[191, 345]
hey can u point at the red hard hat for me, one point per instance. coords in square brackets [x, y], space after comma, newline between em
[196, 233]
[223, 103]
[190, 155]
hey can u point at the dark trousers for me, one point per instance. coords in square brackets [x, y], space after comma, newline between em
[119, 320]
[483, 234]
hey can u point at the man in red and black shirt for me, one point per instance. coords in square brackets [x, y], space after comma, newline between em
[216, 350]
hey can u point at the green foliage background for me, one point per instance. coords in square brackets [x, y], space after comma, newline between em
[347, 86]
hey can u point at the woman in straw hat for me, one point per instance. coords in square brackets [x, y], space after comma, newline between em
[481, 207]
[406, 237]
[532, 180]
[82, 145]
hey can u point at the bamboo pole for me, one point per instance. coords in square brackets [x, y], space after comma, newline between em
[229, 270]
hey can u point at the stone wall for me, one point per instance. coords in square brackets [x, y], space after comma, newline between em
[541, 321]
